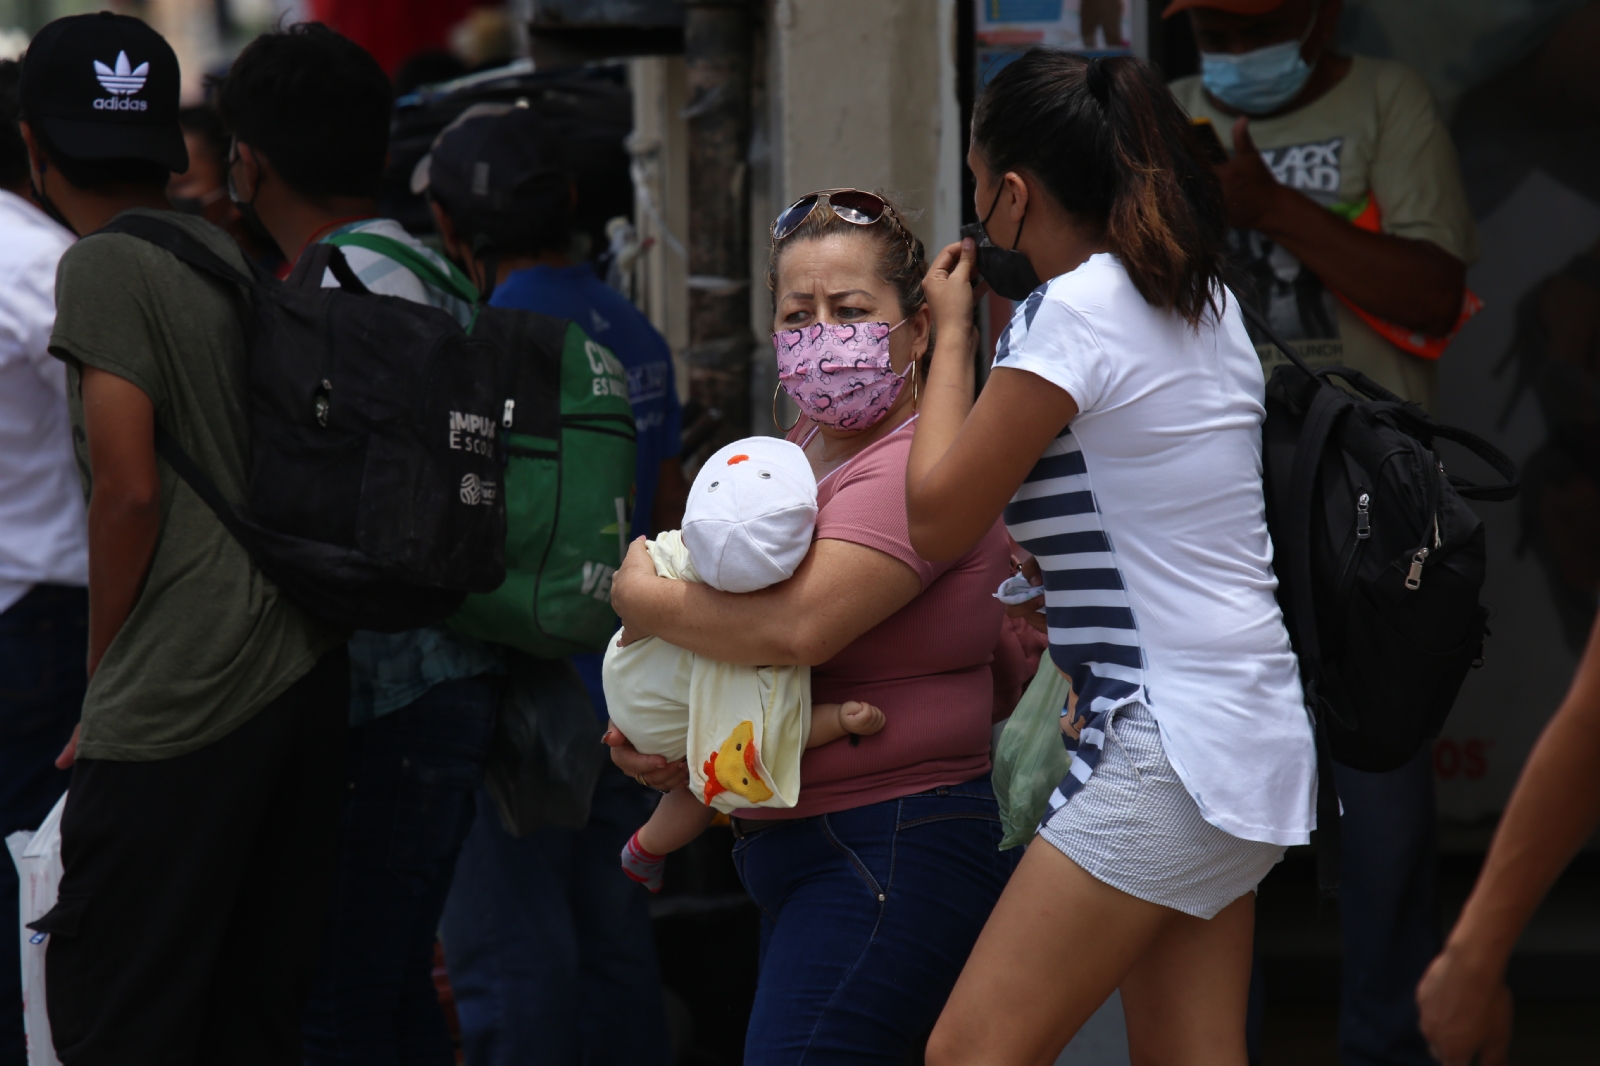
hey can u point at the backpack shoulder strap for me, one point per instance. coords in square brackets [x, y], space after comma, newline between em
[450, 280]
[319, 260]
[171, 238]
[1259, 321]
[168, 448]
[1502, 463]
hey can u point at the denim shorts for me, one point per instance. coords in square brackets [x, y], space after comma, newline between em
[1135, 827]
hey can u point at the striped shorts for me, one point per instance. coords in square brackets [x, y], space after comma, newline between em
[1135, 827]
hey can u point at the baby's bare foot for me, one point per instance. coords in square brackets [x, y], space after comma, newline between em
[860, 718]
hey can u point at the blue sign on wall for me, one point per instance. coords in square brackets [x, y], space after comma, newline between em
[1023, 10]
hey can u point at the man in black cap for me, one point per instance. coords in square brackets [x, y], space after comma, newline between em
[545, 942]
[202, 815]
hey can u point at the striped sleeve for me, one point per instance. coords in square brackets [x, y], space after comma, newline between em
[1048, 338]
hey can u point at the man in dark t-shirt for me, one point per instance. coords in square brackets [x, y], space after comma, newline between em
[201, 817]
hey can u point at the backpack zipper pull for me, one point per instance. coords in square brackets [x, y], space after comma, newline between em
[1414, 578]
[1363, 518]
[1437, 543]
[505, 419]
[322, 402]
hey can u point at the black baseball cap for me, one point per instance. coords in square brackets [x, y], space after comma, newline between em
[496, 159]
[105, 86]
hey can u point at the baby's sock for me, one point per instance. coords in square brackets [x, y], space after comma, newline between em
[641, 865]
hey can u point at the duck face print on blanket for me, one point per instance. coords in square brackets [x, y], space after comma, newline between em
[736, 767]
[839, 375]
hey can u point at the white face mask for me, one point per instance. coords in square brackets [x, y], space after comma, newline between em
[1261, 81]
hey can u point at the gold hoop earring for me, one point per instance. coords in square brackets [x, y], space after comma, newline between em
[916, 383]
[781, 427]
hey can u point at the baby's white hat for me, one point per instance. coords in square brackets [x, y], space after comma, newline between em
[751, 512]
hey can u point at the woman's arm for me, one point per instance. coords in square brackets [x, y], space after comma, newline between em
[1465, 1008]
[967, 459]
[840, 591]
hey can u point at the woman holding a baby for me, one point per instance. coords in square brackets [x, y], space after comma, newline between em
[1119, 439]
[874, 885]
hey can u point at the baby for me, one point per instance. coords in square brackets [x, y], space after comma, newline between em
[748, 524]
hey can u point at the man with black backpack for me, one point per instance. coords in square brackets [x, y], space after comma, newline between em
[201, 820]
[309, 114]
[1352, 233]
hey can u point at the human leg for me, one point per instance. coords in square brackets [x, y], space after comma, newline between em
[1139, 855]
[1388, 910]
[411, 776]
[1186, 997]
[618, 971]
[548, 945]
[676, 821]
[155, 855]
[256, 1003]
[869, 916]
[43, 637]
[1057, 944]
[511, 947]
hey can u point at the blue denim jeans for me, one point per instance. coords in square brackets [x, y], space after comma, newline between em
[1388, 911]
[413, 775]
[551, 953]
[43, 640]
[867, 916]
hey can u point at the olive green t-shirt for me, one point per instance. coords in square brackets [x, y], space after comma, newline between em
[210, 640]
[1377, 133]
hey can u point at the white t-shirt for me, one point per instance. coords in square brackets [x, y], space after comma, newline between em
[42, 533]
[1148, 518]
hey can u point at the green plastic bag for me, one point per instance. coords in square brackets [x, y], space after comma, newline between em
[1030, 759]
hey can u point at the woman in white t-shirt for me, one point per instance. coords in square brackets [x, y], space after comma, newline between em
[1120, 435]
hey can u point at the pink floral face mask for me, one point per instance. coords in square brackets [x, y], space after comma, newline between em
[839, 375]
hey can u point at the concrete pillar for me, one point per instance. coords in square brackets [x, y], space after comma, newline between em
[863, 95]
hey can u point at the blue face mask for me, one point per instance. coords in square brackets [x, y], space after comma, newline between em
[1258, 82]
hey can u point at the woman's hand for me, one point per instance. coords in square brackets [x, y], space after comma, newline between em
[651, 770]
[949, 292]
[636, 567]
[1464, 1011]
[1029, 610]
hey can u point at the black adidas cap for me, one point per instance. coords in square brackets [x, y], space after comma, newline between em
[105, 86]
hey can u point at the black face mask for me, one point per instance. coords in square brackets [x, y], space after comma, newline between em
[1008, 271]
[44, 202]
[196, 205]
[247, 208]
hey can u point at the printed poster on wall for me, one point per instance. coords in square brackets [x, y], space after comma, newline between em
[1007, 28]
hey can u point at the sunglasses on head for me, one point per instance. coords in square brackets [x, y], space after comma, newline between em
[852, 205]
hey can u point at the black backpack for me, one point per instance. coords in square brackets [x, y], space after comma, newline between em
[1379, 561]
[359, 507]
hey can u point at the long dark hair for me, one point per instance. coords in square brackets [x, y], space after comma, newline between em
[1110, 143]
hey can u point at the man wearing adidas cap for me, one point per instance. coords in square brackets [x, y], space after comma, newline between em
[201, 818]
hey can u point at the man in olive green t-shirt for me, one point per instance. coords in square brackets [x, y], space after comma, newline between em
[1317, 140]
[202, 815]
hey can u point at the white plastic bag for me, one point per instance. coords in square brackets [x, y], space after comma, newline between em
[38, 859]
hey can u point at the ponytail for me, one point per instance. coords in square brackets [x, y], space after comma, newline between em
[1106, 139]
